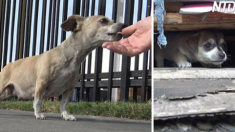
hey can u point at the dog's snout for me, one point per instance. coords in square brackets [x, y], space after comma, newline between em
[222, 55]
[124, 25]
[121, 25]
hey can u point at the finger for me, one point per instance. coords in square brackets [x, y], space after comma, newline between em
[128, 30]
[105, 44]
[112, 46]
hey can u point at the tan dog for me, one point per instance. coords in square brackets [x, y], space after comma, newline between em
[207, 47]
[55, 72]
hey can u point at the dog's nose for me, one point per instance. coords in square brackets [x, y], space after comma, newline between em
[124, 25]
[222, 55]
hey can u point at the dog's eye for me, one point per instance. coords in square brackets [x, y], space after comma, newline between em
[104, 21]
[208, 45]
[223, 45]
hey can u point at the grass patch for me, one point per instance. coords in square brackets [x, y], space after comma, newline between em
[108, 109]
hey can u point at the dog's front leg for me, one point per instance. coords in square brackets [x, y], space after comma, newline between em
[66, 96]
[181, 61]
[37, 104]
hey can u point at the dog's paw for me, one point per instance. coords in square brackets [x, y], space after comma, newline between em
[68, 117]
[184, 64]
[41, 117]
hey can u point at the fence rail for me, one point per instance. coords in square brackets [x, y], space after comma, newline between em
[31, 27]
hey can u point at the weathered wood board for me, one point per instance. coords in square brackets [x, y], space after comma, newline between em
[179, 22]
[193, 92]
[196, 73]
[189, 88]
[220, 103]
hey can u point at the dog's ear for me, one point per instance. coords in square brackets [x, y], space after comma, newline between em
[73, 23]
[192, 42]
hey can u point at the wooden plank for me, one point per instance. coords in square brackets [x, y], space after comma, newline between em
[179, 22]
[210, 104]
[197, 73]
[188, 88]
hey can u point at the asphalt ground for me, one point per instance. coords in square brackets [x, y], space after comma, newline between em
[22, 121]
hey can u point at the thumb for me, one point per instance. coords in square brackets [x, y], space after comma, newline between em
[128, 30]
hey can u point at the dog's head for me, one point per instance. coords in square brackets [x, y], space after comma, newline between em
[94, 29]
[208, 47]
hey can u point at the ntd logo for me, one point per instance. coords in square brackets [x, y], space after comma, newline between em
[224, 6]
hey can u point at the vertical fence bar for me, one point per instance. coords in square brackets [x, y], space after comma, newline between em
[83, 65]
[93, 8]
[3, 4]
[82, 80]
[7, 25]
[125, 73]
[18, 30]
[150, 52]
[144, 77]
[35, 27]
[76, 10]
[22, 29]
[135, 89]
[111, 59]
[145, 63]
[28, 28]
[65, 11]
[57, 23]
[76, 6]
[83, 8]
[44, 5]
[49, 26]
[12, 28]
[149, 6]
[64, 17]
[52, 24]
[98, 59]
[90, 55]
[87, 8]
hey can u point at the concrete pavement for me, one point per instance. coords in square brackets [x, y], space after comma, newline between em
[21, 121]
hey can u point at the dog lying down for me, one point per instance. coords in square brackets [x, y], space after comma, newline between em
[55, 72]
[207, 47]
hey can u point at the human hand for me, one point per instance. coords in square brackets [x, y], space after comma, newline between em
[138, 42]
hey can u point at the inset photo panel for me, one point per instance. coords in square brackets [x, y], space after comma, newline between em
[194, 65]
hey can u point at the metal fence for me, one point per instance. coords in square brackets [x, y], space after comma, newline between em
[31, 27]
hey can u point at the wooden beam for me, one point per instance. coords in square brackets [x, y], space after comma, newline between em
[179, 22]
[194, 73]
[173, 7]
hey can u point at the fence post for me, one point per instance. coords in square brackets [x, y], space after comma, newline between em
[135, 89]
[35, 27]
[12, 29]
[111, 59]
[3, 4]
[7, 25]
[18, 30]
[125, 73]
[144, 77]
[98, 58]
[28, 27]
[57, 23]
[43, 26]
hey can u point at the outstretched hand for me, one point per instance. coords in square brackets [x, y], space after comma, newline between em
[138, 42]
